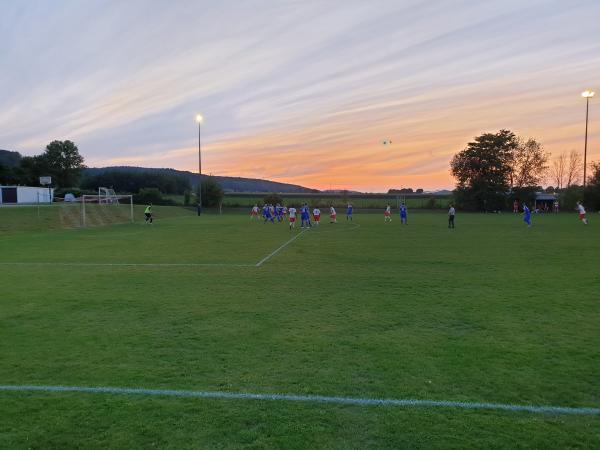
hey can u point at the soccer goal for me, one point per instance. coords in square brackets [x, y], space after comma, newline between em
[106, 208]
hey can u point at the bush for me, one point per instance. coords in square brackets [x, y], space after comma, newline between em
[591, 196]
[431, 203]
[273, 199]
[569, 198]
[152, 195]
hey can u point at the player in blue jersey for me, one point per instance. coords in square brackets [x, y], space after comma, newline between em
[268, 214]
[349, 210]
[403, 214]
[279, 212]
[305, 216]
[526, 215]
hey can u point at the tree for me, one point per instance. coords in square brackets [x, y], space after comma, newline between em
[574, 168]
[212, 193]
[591, 195]
[559, 169]
[62, 162]
[483, 170]
[31, 169]
[529, 164]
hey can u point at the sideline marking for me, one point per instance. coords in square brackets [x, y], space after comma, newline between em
[266, 258]
[308, 398]
[87, 264]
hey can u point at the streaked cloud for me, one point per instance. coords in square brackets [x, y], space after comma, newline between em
[297, 91]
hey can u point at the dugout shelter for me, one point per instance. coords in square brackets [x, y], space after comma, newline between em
[25, 195]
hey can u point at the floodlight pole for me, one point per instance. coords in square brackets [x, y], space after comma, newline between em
[587, 95]
[199, 120]
[587, 111]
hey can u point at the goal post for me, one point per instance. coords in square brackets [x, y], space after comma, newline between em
[106, 209]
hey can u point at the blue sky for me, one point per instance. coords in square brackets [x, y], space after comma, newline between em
[298, 91]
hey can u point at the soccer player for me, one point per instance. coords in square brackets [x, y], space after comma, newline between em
[581, 211]
[349, 212]
[317, 216]
[526, 215]
[332, 215]
[279, 212]
[292, 212]
[268, 213]
[305, 216]
[254, 212]
[516, 206]
[148, 213]
[556, 207]
[387, 215]
[451, 214]
[403, 214]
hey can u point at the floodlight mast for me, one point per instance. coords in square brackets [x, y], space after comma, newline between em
[199, 119]
[587, 95]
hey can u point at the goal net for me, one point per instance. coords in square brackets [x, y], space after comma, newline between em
[107, 196]
[106, 208]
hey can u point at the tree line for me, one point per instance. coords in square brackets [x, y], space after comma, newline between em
[62, 161]
[496, 168]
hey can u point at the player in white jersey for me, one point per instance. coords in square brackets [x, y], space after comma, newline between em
[254, 212]
[387, 214]
[317, 216]
[581, 211]
[332, 215]
[292, 213]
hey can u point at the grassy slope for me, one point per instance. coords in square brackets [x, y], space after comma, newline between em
[491, 311]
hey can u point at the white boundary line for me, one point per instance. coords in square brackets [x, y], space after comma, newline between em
[85, 264]
[308, 398]
[269, 256]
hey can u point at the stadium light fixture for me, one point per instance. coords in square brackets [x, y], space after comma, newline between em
[199, 119]
[587, 95]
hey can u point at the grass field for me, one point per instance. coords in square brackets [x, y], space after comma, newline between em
[489, 312]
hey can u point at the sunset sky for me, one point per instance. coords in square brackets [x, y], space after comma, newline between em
[297, 91]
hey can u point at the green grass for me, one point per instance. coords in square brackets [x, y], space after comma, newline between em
[488, 312]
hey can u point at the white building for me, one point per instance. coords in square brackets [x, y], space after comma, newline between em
[13, 195]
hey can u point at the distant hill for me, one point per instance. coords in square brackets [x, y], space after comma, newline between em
[9, 159]
[229, 184]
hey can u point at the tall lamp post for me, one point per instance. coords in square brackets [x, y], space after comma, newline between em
[587, 95]
[199, 119]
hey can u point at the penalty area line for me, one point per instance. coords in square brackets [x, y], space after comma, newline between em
[357, 401]
[269, 256]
